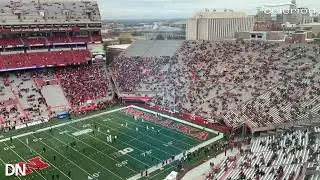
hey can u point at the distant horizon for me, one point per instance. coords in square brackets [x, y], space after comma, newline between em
[182, 9]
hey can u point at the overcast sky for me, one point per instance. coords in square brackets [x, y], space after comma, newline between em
[137, 9]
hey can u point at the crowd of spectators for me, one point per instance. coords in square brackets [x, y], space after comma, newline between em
[84, 83]
[54, 58]
[130, 71]
[283, 155]
[260, 83]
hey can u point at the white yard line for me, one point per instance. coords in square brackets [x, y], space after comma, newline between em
[150, 170]
[131, 146]
[45, 159]
[162, 142]
[22, 159]
[210, 141]
[63, 124]
[175, 119]
[64, 157]
[179, 156]
[172, 131]
[101, 151]
[86, 156]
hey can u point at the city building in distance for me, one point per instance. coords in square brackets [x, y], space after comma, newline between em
[212, 25]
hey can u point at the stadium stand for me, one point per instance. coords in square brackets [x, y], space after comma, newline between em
[29, 11]
[227, 85]
[30, 98]
[285, 154]
[53, 58]
[83, 83]
[48, 34]
[34, 41]
[152, 48]
[259, 84]
[28, 94]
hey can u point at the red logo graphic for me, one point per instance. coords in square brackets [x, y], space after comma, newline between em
[35, 163]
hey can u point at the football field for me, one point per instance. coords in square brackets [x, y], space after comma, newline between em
[116, 144]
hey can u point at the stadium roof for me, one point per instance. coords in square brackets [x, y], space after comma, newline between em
[153, 48]
[49, 12]
[120, 46]
[213, 14]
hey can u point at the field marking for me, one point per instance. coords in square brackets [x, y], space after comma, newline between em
[176, 119]
[115, 110]
[101, 151]
[162, 127]
[23, 160]
[133, 146]
[63, 124]
[189, 145]
[140, 140]
[45, 159]
[85, 156]
[64, 157]
[171, 130]
[5, 164]
[179, 156]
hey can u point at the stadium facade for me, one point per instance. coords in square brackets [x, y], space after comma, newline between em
[29, 26]
[50, 49]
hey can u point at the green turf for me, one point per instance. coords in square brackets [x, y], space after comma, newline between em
[92, 153]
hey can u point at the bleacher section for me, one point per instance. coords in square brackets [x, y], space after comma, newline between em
[30, 97]
[83, 84]
[37, 37]
[153, 48]
[5, 92]
[260, 84]
[39, 94]
[29, 11]
[52, 40]
[284, 155]
[54, 58]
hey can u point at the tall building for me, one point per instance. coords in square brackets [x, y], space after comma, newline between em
[218, 25]
[304, 16]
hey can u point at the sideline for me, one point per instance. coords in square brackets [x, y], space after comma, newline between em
[176, 119]
[179, 156]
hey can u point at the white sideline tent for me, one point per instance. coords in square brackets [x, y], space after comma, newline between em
[172, 176]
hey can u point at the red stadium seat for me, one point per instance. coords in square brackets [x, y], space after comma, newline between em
[55, 58]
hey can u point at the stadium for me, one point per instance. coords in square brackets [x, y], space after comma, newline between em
[162, 109]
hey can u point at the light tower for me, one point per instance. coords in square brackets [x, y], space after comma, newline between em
[293, 4]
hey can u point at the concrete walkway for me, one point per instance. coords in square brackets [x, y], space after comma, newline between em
[200, 172]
